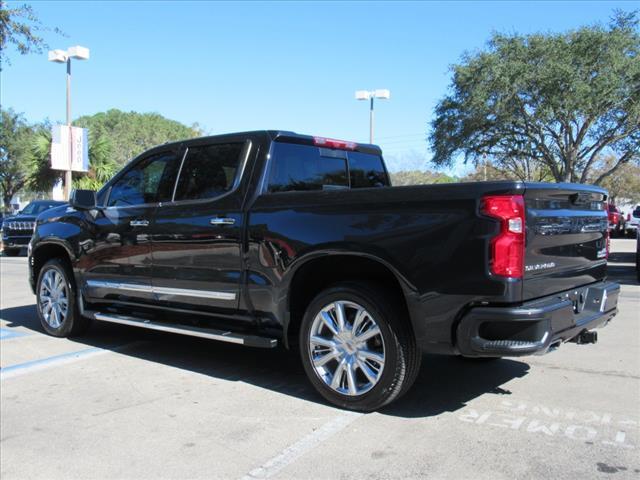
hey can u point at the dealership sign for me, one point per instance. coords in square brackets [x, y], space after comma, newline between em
[69, 146]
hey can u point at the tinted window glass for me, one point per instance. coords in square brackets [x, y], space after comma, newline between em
[366, 170]
[101, 196]
[301, 168]
[34, 208]
[208, 171]
[148, 181]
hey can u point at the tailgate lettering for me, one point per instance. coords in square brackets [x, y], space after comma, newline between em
[539, 266]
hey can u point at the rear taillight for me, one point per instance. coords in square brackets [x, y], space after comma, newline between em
[331, 143]
[507, 247]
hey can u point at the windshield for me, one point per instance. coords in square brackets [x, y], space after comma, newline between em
[36, 208]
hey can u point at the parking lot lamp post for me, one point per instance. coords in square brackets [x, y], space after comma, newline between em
[65, 56]
[370, 95]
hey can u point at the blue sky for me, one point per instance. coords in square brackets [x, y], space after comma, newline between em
[282, 65]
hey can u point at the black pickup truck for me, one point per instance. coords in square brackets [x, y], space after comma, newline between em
[270, 237]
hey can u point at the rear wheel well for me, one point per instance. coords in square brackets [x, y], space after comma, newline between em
[319, 274]
[45, 253]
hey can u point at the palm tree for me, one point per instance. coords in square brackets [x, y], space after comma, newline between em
[101, 165]
[41, 177]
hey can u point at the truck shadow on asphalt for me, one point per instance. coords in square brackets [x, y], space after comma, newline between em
[618, 268]
[445, 384]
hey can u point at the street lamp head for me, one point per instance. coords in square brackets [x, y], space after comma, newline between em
[78, 52]
[58, 56]
[383, 93]
[61, 56]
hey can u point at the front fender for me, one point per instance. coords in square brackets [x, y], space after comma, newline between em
[54, 234]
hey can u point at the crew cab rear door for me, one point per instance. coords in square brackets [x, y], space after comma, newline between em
[197, 237]
[566, 237]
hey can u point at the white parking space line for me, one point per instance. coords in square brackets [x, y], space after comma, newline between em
[58, 360]
[296, 450]
[6, 333]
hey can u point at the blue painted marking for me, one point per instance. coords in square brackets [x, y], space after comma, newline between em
[53, 359]
[6, 333]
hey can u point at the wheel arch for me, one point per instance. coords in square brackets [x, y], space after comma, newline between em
[324, 269]
[45, 251]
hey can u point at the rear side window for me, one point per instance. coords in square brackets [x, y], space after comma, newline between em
[308, 168]
[208, 171]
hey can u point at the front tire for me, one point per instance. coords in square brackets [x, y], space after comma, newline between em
[56, 300]
[357, 348]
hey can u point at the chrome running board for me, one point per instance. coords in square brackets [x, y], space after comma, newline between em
[209, 333]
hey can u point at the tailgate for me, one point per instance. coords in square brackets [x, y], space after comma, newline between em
[566, 243]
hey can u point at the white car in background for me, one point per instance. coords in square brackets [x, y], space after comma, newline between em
[632, 221]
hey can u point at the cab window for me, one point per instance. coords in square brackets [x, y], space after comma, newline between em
[208, 171]
[307, 168]
[148, 181]
[302, 168]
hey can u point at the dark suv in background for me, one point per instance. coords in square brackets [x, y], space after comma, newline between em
[17, 229]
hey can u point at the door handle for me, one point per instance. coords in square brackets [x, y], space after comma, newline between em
[139, 223]
[222, 221]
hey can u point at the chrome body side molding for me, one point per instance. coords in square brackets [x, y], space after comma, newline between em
[194, 293]
[133, 287]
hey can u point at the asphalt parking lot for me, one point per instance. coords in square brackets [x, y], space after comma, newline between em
[127, 403]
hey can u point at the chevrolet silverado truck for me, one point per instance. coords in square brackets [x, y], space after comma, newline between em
[272, 238]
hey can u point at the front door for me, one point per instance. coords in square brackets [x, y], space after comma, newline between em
[197, 237]
[117, 266]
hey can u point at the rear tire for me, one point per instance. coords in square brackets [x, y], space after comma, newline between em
[56, 300]
[357, 348]
[11, 252]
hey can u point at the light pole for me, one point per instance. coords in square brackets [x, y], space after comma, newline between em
[370, 95]
[62, 56]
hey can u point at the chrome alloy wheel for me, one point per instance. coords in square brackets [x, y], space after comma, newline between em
[346, 348]
[53, 298]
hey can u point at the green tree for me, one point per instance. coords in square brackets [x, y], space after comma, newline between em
[102, 166]
[509, 169]
[560, 100]
[131, 133]
[20, 27]
[419, 177]
[41, 177]
[15, 138]
[624, 183]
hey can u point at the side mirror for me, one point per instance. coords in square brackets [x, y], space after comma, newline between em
[83, 199]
